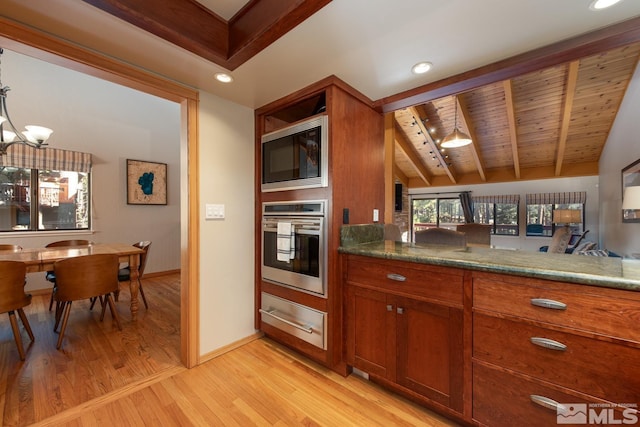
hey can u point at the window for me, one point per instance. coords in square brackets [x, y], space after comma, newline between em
[36, 197]
[446, 212]
[540, 209]
[436, 212]
[499, 211]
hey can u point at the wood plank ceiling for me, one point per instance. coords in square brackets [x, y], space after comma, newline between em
[545, 124]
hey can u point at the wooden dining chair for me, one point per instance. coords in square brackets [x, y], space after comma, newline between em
[50, 275]
[10, 248]
[13, 298]
[124, 275]
[85, 277]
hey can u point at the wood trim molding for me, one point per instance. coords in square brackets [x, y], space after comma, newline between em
[230, 347]
[193, 27]
[42, 46]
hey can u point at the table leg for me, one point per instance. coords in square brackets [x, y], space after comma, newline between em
[134, 285]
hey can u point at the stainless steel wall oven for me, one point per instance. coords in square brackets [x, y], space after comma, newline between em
[293, 245]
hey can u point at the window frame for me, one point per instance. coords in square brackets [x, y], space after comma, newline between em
[494, 224]
[502, 200]
[564, 200]
[35, 205]
[575, 229]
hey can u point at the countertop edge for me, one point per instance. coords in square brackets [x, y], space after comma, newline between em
[620, 283]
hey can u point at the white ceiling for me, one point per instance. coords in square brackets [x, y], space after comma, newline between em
[223, 8]
[370, 44]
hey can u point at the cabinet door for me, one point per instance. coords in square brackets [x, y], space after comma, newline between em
[370, 332]
[429, 350]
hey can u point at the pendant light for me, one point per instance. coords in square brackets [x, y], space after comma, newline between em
[456, 138]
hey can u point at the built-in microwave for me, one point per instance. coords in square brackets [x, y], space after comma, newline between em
[297, 156]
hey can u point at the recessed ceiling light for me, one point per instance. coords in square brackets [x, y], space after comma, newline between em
[602, 4]
[421, 67]
[224, 78]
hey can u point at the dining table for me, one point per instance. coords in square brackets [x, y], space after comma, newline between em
[43, 259]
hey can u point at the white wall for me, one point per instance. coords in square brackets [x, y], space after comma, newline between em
[557, 185]
[622, 149]
[113, 123]
[226, 245]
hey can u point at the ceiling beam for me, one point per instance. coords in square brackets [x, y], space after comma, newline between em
[410, 151]
[572, 78]
[617, 35]
[466, 119]
[511, 117]
[417, 117]
[191, 26]
[262, 22]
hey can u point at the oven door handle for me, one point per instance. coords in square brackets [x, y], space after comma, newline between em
[298, 230]
[288, 322]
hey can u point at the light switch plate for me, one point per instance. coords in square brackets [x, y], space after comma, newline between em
[214, 211]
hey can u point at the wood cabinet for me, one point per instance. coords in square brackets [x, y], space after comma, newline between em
[538, 344]
[493, 349]
[405, 328]
[355, 183]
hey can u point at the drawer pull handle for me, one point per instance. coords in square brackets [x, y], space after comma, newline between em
[396, 277]
[548, 303]
[545, 402]
[389, 307]
[288, 322]
[548, 343]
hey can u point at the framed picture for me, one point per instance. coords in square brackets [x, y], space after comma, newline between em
[146, 183]
[631, 178]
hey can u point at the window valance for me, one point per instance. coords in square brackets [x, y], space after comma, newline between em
[557, 198]
[23, 156]
[507, 199]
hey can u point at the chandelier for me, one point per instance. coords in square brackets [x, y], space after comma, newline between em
[33, 136]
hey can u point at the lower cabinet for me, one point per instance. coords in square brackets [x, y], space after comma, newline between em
[412, 343]
[547, 353]
[494, 349]
[429, 350]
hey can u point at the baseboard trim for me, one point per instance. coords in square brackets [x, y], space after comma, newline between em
[162, 273]
[222, 350]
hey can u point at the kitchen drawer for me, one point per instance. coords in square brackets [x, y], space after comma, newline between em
[588, 308]
[598, 368]
[435, 283]
[298, 320]
[501, 399]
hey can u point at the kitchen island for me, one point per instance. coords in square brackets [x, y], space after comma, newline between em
[493, 336]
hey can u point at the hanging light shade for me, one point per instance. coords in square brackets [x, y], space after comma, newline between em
[457, 138]
[33, 136]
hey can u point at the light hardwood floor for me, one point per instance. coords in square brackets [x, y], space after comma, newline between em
[134, 378]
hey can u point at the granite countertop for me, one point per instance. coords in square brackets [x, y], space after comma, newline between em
[598, 271]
